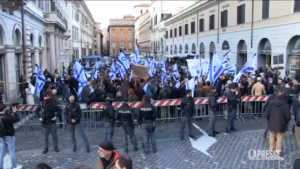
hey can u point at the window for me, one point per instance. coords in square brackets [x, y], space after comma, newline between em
[40, 4]
[113, 32]
[201, 25]
[155, 20]
[167, 34]
[77, 16]
[224, 18]
[113, 44]
[241, 14]
[186, 29]
[180, 30]
[171, 33]
[175, 32]
[265, 9]
[141, 11]
[193, 27]
[121, 31]
[31, 39]
[211, 22]
[130, 31]
[297, 6]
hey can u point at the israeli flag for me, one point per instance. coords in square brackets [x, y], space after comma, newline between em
[31, 88]
[226, 57]
[175, 72]
[163, 75]
[248, 67]
[136, 59]
[113, 71]
[204, 66]
[40, 80]
[81, 78]
[231, 70]
[150, 66]
[95, 70]
[190, 85]
[123, 63]
[215, 69]
[146, 87]
[130, 77]
[193, 66]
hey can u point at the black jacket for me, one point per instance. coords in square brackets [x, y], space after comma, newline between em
[49, 112]
[8, 121]
[187, 105]
[125, 114]
[108, 111]
[213, 104]
[232, 99]
[174, 93]
[278, 115]
[73, 111]
[99, 95]
[146, 112]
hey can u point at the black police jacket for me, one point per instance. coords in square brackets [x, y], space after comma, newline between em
[73, 111]
[108, 111]
[187, 105]
[232, 99]
[146, 112]
[49, 112]
[213, 104]
[125, 114]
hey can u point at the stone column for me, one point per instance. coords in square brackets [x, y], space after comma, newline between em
[52, 53]
[10, 72]
[56, 52]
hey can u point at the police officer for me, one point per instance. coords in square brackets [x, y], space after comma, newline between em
[233, 98]
[187, 106]
[126, 118]
[109, 121]
[73, 116]
[213, 107]
[147, 114]
[48, 120]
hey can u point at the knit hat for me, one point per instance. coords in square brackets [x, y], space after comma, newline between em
[107, 145]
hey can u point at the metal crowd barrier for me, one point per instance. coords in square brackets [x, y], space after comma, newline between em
[168, 110]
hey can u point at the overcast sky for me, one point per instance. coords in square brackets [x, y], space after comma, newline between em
[102, 11]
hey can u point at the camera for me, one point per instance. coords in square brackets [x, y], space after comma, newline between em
[10, 109]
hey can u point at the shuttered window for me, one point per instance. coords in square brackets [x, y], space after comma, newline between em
[167, 34]
[180, 30]
[211, 22]
[201, 25]
[193, 27]
[241, 14]
[297, 6]
[186, 29]
[224, 18]
[265, 9]
[171, 33]
[175, 32]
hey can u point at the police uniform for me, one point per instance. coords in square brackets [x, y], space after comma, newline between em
[187, 106]
[147, 114]
[108, 114]
[73, 111]
[126, 118]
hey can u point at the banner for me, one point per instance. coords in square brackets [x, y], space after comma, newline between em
[140, 71]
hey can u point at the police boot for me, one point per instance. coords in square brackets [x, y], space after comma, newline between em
[126, 150]
[87, 150]
[74, 149]
[45, 151]
[154, 150]
[56, 149]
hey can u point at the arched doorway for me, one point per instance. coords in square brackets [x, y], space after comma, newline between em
[186, 49]
[193, 48]
[264, 54]
[202, 51]
[212, 48]
[225, 45]
[293, 53]
[180, 49]
[175, 49]
[241, 59]
[171, 49]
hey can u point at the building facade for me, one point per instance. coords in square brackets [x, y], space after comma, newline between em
[105, 42]
[268, 28]
[140, 10]
[97, 39]
[144, 34]
[81, 24]
[160, 11]
[121, 35]
[45, 22]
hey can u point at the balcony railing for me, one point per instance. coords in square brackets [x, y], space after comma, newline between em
[56, 16]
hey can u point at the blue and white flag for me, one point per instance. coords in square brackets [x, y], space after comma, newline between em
[175, 72]
[248, 67]
[113, 71]
[136, 59]
[231, 70]
[62, 77]
[226, 57]
[196, 56]
[190, 85]
[130, 77]
[215, 69]
[81, 78]
[204, 66]
[193, 66]
[149, 63]
[145, 87]
[163, 75]
[40, 80]
[95, 71]
[123, 63]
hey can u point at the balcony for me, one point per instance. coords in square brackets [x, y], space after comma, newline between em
[55, 17]
[11, 5]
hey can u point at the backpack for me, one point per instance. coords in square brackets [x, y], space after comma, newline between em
[2, 127]
[149, 93]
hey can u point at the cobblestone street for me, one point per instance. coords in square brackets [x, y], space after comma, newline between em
[230, 151]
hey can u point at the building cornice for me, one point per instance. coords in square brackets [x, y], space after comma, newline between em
[191, 11]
